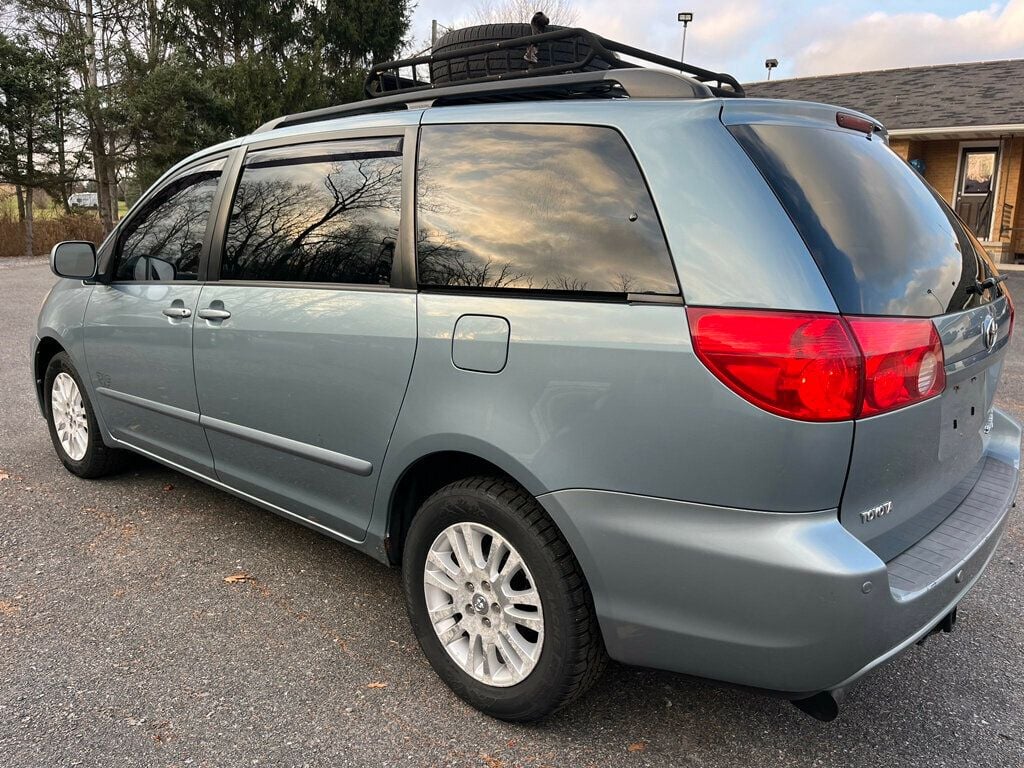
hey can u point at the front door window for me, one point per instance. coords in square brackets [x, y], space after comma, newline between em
[164, 240]
[975, 196]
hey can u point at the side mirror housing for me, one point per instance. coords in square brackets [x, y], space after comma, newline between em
[75, 259]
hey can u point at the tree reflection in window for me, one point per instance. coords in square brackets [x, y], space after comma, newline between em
[165, 239]
[541, 207]
[325, 213]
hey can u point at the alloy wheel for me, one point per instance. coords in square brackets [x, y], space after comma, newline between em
[483, 604]
[69, 417]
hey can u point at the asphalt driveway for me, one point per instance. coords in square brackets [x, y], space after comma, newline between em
[121, 642]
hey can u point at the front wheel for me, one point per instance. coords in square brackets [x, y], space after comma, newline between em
[73, 427]
[498, 601]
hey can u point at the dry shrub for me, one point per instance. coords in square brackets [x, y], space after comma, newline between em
[46, 232]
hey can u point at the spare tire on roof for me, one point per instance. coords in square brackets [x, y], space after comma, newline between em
[549, 53]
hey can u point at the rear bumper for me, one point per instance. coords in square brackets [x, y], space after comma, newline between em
[788, 602]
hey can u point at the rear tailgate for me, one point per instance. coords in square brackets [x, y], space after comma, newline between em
[887, 245]
[911, 468]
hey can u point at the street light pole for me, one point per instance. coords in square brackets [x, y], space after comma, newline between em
[684, 19]
[770, 64]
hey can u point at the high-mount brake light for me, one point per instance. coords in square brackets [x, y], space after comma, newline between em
[855, 123]
[819, 367]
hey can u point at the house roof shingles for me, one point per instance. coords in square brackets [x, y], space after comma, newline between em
[976, 94]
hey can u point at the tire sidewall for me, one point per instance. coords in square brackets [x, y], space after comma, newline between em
[532, 695]
[61, 363]
[481, 34]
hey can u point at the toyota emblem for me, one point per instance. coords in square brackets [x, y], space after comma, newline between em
[990, 330]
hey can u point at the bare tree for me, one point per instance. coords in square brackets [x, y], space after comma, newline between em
[564, 13]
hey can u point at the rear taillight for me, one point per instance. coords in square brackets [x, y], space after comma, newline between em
[798, 365]
[903, 361]
[819, 367]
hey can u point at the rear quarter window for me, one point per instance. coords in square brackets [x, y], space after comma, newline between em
[546, 208]
[884, 241]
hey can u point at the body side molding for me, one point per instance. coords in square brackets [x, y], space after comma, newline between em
[330, 458]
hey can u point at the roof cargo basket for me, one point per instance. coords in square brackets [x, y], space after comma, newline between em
[388, 88]
[403, 76]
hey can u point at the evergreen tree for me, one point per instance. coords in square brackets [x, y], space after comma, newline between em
[29, 87]
[144, 84]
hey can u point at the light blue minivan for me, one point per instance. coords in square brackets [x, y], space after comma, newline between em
[611, 362]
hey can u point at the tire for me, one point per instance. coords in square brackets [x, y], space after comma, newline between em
[463, 68]
[94, 459]
[570, 652]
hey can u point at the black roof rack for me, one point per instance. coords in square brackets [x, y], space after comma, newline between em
[387, 89]
[387, 77]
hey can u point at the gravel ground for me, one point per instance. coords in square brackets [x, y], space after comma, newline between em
[122, 644]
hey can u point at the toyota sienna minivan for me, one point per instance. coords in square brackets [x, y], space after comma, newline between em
[610, 362]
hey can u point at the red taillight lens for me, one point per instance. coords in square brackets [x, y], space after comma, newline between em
[799, 365]
[903, 361]
[818, 367]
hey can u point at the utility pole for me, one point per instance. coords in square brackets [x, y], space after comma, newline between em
[684, 18]
[433, 33]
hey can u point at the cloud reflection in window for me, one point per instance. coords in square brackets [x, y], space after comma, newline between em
[542, 207]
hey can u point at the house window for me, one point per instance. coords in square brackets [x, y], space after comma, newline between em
[979, 170]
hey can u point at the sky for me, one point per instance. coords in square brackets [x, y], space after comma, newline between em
[807, 37]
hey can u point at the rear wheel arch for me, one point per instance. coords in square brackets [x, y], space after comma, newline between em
[422, 478]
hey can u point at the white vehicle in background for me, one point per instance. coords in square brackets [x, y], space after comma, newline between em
[83, 200]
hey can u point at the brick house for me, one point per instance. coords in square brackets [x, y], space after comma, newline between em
[960, 125]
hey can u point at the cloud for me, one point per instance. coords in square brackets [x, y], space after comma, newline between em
[883, 40]
[809, 37]
[718, 33]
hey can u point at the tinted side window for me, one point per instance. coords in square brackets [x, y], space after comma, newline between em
[322, 213]
[165, 239]
[541, 207]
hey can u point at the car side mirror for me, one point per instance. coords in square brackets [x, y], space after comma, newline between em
[153, 268]
[75, 259]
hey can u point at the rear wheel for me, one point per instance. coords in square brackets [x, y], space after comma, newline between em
[498, 602]
[73, 427]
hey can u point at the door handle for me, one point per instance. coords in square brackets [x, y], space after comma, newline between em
[214, 314]
[177, 312]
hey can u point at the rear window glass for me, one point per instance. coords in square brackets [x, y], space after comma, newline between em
[884, 241]
[536, 207]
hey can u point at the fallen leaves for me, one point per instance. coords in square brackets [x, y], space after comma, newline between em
[638, 746]
[8, 608]
[491, 762]
[4, 474]
[168, 487]
[377, 685]
[238, 578]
